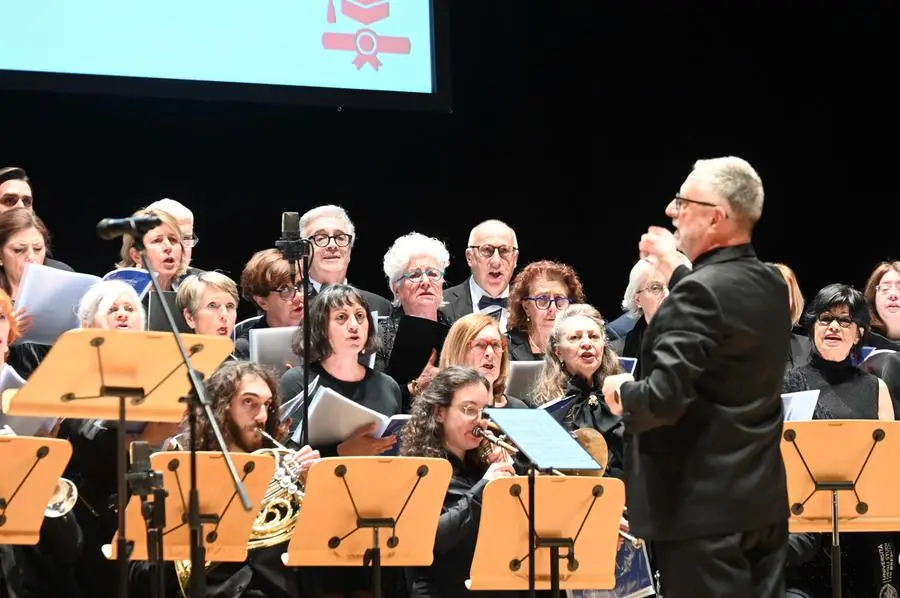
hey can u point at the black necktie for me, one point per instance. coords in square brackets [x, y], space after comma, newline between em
[486, 301]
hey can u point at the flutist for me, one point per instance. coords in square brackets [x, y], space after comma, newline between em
[443, 424]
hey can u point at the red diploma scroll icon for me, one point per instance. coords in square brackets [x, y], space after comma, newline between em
[365, 42]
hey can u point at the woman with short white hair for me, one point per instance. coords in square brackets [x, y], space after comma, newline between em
[414, 267]
[209, 303]
[111, 304]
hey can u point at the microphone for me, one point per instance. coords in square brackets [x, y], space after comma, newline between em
[110, 228]
[290, 244]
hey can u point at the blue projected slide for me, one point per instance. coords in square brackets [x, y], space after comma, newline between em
[383, 45]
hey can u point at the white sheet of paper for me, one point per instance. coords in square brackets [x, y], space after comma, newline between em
[51, 296]
[333, 418]
[799, 406]
[20, 424]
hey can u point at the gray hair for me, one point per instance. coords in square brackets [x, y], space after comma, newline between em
[101, 296]
[487, 223]
[735, 181]
[329, 298]
[328, 211]
[411, 245]
[191, 289]
[639, 272]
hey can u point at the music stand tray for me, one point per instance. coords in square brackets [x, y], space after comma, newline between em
[226, 525]
[577, 516]
[373, 511]
[557, 513]
[32, 467]
[88, 370]
[841, 477]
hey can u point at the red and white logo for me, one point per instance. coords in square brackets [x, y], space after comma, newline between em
[365, 42]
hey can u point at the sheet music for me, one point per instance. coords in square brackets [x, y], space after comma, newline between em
[295, 404]
[51, 296]
[628, 364]
[634, 577]
[522, 376]
[541, 439]
[21, 425]
[800, 406]
[333, 418]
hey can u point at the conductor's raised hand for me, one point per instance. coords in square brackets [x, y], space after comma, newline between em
[660, 247]
[364, 443]
[611, 386]
[499, 470]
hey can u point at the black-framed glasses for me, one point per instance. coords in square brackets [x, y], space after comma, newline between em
[416, 274]
[543, 302]
[487, 251]
[11, 199]
[826, 320]
[190, 241]
[654, 288]
[288, 292]
[680, 201]
[323, 239]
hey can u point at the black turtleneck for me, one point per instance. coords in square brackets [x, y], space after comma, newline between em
[845, 391]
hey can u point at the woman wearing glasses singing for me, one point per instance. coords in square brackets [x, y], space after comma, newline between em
[883, 297]
[837, 320]
[538, 293]
[414, 267]
[442, 425]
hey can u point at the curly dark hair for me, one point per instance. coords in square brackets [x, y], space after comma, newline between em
[518, 319]
[221, 386]
[423, 434]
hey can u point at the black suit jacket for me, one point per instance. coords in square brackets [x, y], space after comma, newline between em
[706, 418]
[457, 301]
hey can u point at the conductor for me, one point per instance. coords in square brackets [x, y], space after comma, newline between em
[706, 483]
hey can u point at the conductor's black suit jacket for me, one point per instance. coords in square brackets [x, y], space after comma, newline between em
[705, 421]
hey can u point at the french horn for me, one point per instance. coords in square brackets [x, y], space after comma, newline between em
[279, 510]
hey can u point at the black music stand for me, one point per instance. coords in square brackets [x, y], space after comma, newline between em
[93, 374]
[863, 465]
[570, 509]
[32, 467]
[402, 496]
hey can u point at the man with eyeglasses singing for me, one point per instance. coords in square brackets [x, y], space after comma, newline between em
[492, 253]
[15, 192]
[331, 234]
[706, 480]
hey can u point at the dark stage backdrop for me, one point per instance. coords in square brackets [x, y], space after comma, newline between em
[573, 121]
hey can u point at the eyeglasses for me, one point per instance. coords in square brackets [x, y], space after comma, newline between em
[827, 319]
[470, 411]
[680, 201]
[654, 288]
[543, 302]
[322, 239]
[287, 292]
[487, 251]
[11, 199]
[886, 287]
[415, 275]
[481, 346]
[190, 241]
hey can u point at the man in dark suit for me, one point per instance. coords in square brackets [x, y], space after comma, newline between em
[492, 253]
[706, 483]
[332, 236]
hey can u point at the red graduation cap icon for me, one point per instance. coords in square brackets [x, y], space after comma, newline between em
[363, 11]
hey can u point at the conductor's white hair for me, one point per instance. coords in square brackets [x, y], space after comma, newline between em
[101, 296]
[405, 248]
[175, 208]
[494, 224]
[328, 211]
[735, 181]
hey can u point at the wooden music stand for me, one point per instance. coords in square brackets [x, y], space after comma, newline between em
[402, 496]
[88, 371]
[226, 525]
[32, 467]
[578, 514]
[119, 375]
[841, 477]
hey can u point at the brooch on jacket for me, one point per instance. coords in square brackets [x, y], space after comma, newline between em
[593, 401]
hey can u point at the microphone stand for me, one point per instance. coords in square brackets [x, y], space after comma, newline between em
[294, 250]
[196, 399]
